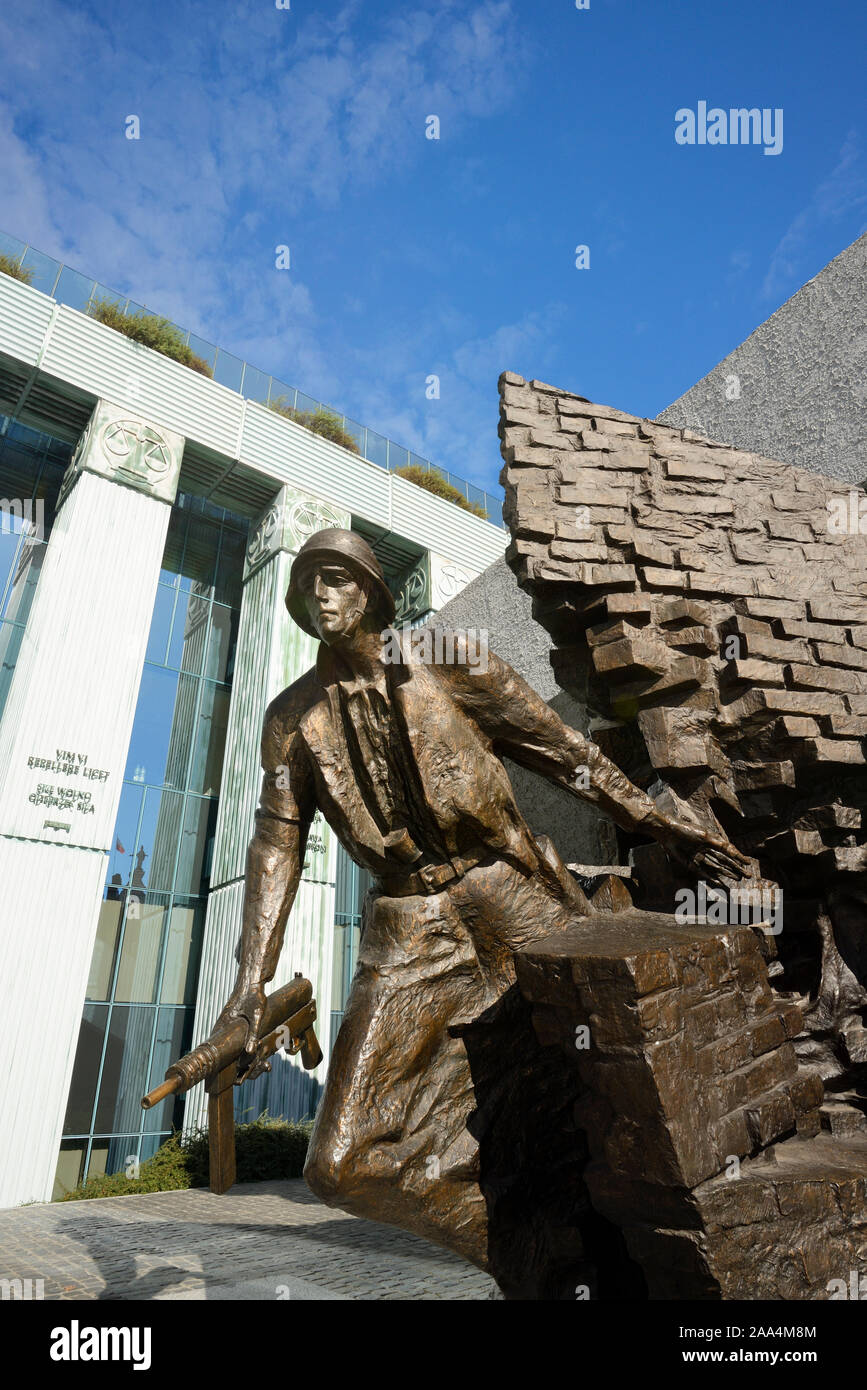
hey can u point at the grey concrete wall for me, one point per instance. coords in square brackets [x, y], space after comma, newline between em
[802, 378]
[494, 603]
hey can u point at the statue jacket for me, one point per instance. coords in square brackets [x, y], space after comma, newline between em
[440, 788]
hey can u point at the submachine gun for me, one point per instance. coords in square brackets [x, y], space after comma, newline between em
[287, 1022]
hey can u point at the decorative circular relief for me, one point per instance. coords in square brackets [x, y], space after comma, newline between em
[261, 539]
[122, 438]
[307, 517]
[450, 581]
[410, 592]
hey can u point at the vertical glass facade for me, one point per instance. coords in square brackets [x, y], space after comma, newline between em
[138, 1013]
[32, 466]
[351, 885]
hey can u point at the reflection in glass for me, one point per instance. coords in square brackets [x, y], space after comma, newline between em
[140, 953]
[206, 764]
[105, 949]
[85, 1072]
[124, 1070]
[70, 1167]
[160, 833]
[221, 642]
[195, 850]
[173, 1036]
[152, 729]
[149, 937]
[183, 948]
[161, 624]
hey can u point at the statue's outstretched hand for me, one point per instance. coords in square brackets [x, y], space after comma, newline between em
[706, 855]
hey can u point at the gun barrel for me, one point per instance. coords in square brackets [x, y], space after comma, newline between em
[220, 1050]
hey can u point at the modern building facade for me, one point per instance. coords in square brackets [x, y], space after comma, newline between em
[148, 520]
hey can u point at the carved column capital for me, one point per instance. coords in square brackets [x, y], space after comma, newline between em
[127, 449]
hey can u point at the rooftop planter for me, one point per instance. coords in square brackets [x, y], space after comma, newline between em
[13, 269]
[435, 483]
[321, 421]
[154, 332]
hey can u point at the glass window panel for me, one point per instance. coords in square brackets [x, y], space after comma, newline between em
[73, 289]
[194, 858]
[160, 834]
[85, 1070]
[105, 946]
[189, 633]
[47, 488]
[357, 432]
[140, 952]
[122, 857]
[149, 1143]
[256, 384]
[159, 696]
[11, 246]
[230, 571]
[206, 766]
[418, 462]
[70, 1167]
[43, 269]
[11, 637]
[306, 403]
[10, 545]
[161, 624]
[174, 1032]
[104, 294]
[377, 449]
[200, 553]
[202, 348]
[228, 370]
[221, 642]
[397, 457]
[186, 924]
[24, 580]
[116, 1155]
[124, 1072]
[98, 1159]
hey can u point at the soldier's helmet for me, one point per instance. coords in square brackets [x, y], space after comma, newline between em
[346, 548]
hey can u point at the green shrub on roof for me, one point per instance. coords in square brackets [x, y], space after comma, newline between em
[434, 482]
[8, 266]
[158, 333]
[320, 421]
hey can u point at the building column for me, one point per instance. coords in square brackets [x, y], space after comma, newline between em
[272, 652]
[63, 745]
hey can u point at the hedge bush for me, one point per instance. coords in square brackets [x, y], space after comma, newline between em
[321, 421]
[435, 483]
[265, 1150]
[158, 333]
[10, 267]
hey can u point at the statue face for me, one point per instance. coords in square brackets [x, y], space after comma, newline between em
[335, 600]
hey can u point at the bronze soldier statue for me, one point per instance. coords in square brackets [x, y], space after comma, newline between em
[403, 758]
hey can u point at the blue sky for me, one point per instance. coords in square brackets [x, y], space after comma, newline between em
[306, 127]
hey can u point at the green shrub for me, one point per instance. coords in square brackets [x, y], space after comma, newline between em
[158, 333]
[320, 421]
[8, 266]
[433, 482]
[265, 1150]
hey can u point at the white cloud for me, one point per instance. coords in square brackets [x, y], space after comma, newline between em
[247, 125]
[844, 190]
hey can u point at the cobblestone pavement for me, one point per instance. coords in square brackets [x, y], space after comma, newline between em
[260, 1241]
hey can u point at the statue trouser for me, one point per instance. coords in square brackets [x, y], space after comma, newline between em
[436, 1075]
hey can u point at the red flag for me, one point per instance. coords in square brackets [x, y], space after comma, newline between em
[119, 847]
